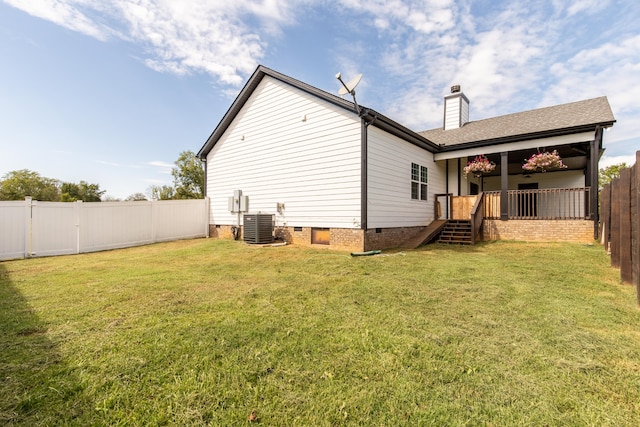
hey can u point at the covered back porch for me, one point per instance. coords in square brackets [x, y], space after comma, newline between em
[508, 195]
[561, 214]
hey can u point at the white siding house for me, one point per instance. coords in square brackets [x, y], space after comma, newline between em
[288, 147]
[390, 203]
[332, 172]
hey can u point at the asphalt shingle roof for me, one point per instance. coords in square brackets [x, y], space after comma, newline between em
[594, 111]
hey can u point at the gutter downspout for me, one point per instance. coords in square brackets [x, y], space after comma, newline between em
[205, 176]
[207, 200]
[504, 186]
[364, 143]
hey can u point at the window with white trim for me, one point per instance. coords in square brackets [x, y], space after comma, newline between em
[419, 181]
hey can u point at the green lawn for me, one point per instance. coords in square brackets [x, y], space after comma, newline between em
[207, 332]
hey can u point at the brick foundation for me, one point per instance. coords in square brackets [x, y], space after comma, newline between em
[578, 231]
[221, 231]
[340, 238]
[354, 240]
[388, 238]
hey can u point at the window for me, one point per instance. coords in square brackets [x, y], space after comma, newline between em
[419, 180]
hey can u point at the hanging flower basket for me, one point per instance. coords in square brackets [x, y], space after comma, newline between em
[479, 166]
[543, 162]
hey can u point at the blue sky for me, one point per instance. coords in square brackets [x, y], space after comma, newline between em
[111, 92]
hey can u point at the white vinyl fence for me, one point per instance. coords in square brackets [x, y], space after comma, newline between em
[31, 228]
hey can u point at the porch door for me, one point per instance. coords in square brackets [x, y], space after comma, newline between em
[528, 202]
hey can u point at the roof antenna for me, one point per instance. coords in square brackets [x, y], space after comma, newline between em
[350, 87]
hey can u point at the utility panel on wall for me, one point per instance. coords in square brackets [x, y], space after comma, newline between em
[238, 202]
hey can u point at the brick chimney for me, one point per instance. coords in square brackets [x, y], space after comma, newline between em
[456, 109]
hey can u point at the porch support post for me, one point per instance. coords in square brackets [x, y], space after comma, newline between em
[504, 185]
[594, 153]
[458, 169]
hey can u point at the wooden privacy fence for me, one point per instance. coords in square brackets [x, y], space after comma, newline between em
[32, 228]
[620, 223]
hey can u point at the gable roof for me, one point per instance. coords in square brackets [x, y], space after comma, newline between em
[557, 120]
[550, 121]
[369, 116]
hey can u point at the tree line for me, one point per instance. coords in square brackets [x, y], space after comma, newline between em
[188, 180]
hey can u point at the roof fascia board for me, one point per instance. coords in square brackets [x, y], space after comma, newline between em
[515, 146]
[231, 113]
[384, 123]
[525, 137]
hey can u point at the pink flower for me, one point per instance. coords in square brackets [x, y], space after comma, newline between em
[544, 161]
[478, 166]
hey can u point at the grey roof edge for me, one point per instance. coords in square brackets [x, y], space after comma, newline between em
[605, 121]
[525, 137]
[374, 118]
[381, 121]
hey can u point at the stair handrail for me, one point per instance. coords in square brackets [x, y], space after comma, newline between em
[477, 216]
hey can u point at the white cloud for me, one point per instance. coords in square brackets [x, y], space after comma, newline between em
[164, 167]
[610, 70]
[64, 13]
[155, 181]
[588, 6]
[600, 71]
[507, 56]
[106, 163]
[186, 36]
[493, 56]
[607, 161]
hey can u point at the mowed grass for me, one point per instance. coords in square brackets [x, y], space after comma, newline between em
[211, 332]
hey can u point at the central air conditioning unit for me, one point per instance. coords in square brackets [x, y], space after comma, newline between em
[258, 228]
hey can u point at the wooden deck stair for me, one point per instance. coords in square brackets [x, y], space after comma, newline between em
[456, 231]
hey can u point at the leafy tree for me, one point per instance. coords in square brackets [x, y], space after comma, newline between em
[109, 198]
[84, 191]
[17, 185]
[188, 176]
[136, 197]
[608, 174]
[165, 192]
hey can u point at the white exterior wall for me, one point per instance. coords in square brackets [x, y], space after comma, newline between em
[455, 171]
[389, 182]
[464, 114]
[452, 113]
[286, 146]
[559, 179]
[456, 111]
[556, 205]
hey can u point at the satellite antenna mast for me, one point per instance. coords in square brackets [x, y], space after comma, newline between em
[350, 87]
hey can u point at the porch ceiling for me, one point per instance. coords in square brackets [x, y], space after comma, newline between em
[573, 155]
